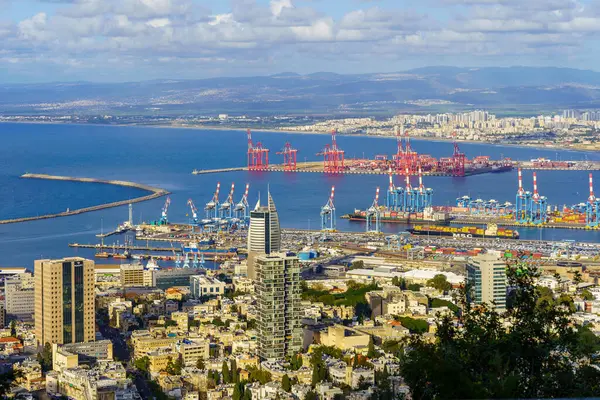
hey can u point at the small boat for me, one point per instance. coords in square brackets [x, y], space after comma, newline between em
[102, 254]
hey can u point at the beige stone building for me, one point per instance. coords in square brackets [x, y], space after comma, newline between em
[64, 301]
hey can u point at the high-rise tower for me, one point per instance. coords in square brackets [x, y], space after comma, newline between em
[64, 301]
[264, 233]
[278, 296]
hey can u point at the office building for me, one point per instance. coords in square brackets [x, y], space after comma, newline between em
[19, 297]
[172, 277]
[486, 273]
[264, 233]
[133, 275]
[278, 293]
[64, 301]
[202, 285]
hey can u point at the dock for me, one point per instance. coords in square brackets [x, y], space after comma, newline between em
[154, 194]
[504, 222]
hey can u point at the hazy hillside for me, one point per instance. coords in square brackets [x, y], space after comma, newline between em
[428, 89]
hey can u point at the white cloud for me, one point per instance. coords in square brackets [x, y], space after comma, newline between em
[87, 33]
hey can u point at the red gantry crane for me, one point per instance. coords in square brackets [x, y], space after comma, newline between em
[333, 156]
[289, 157]
[258, 156]
[458, 160]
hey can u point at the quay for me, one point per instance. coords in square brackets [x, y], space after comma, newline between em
[210, 252]
[504, 222]
[154, 194]
[218, 170]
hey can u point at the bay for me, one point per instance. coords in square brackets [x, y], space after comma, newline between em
[165, 157]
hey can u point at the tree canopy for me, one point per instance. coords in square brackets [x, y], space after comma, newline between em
[440, 283]
[530, 350]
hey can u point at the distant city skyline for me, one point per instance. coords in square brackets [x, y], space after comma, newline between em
[132, 40]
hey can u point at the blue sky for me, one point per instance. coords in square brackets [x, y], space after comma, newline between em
[123, 40]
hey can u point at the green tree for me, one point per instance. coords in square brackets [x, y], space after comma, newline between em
[8, 381]
[296, 362]
[371, 352]
[174, 367]
[233, 370]
[200, 364]
[225, 372]
[440, 282]
[311, 396]
[537, 355]
[45, 357]
[247, 395]
[286, 384]
[238, 391]
[587, 295]
[415, 287]
[359, 264]
[142, 364]
[13, 328]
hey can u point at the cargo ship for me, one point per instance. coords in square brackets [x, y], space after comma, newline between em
[491, 231]
[429, 216]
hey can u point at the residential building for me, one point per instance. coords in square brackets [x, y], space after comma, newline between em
[345, 338]
[278, 305]
[191, 350]
[264, 234]
[202, 285]
[31, 378]
[136, 275]
[107, 380]
[64, 301]
[182, 320]
[19, 295]
[486, 273]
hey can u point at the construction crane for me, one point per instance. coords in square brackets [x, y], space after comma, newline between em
[373, 215]
[289, 157]
[194, 211]
[242, 209]
[328, 213]
[258, 156]
[164, 220]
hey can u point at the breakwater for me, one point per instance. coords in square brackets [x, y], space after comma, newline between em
[154, 193]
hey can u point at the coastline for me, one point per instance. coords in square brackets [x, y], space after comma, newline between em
[285, 131]
[154, 194]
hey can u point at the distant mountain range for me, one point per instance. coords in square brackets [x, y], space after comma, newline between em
[513, 90]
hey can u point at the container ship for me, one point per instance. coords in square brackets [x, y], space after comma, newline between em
[491, 231]
[434, 218]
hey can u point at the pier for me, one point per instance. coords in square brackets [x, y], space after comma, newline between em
[154, 194]
[318, 167]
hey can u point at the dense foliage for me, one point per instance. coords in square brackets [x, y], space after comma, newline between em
[413, 325]
[536, 353]
[354, 296]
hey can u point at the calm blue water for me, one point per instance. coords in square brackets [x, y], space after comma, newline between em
[166, 157]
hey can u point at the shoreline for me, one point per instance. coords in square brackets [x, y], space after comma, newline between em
[284, 131]
[154, 194]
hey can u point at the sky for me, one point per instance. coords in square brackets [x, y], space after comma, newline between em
[134, 40]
